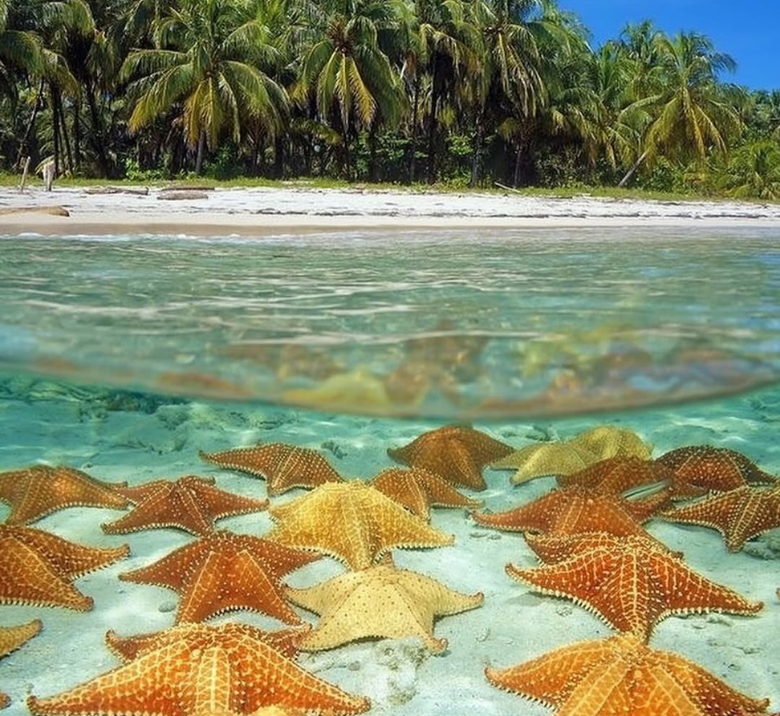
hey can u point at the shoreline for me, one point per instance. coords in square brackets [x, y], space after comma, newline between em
[268, 211]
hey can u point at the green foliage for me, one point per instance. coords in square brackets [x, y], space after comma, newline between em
[464, 92]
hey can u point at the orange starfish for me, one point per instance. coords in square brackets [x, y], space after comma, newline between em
[37, 491]
[418, 490]
[127, 648]
[456, 452]
[615, 475]
[738, 515]
[37, 567]
[631, 582]
[623, 675]
[11, 638]
[189, 503]
[283, 466]
[352, 522]
[576, 510]
[203, 671]
[703, 468]
[224, 571]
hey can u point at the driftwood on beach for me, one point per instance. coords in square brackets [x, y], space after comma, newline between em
[51, 210]
[186, 194]
[139, 191]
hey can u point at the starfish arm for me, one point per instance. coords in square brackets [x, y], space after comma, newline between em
[220, 503]
[552, 677]
[683, 591]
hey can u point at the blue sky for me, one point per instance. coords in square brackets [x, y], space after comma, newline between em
[750, 34]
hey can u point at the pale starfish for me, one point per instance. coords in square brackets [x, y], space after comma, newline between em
[11, 638]
[380, 601]
[352, 522]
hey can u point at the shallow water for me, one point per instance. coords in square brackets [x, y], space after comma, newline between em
[664, 316]
[453, 324]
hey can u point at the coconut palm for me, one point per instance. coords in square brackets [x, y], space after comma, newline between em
[19, 50]
[438, 54]
[346, 71]
[691, 113]
[207, 69]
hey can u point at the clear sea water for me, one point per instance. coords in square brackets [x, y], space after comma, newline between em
[124, 355]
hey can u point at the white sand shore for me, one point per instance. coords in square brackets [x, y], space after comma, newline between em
[260, 211]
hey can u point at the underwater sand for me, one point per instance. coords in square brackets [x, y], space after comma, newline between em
[156, 438]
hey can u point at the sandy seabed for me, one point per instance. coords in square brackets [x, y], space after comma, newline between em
[399, 676]
[260, 211]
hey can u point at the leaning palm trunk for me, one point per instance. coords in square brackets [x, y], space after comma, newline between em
[633, 170]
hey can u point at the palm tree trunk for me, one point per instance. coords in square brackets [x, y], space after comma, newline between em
[77, 132]
[633, 169]
[96, 135]
[413, 146]
[55, 132]
[62, 126]
[201, 152]
[479, 142]
[372, 166]
[432, 140]
[31, 123]
[347, 154]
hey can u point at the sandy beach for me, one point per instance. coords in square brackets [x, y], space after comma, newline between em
[260, 211]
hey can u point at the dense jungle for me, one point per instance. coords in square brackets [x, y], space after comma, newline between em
[454, 92]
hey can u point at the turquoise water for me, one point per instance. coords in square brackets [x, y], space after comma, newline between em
[497, 324]
[123, 356]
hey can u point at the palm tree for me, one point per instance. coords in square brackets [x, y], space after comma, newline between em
[691, 113]
[207, 69]
[347, 71]
[438, 45]
[19, 50]
[515, 35]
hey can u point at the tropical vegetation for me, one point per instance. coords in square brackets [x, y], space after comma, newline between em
[469, 92]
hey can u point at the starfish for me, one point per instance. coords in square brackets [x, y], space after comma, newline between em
[352, 522]
[355, 391]
[608, 441]
[623, 675]
[570, 456]
[456, 452]
[283, 466]
[538, 460]
[11, 638]
[128, 648]
[418, 489]
[703, 468]
[616, 475]
[575, 510]
[380, 601]
[37, 567]
[738, 515]
[189, 503]
[631, 582]
[37, 491]
[204, 671]
[224, 571]
[442, 360]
